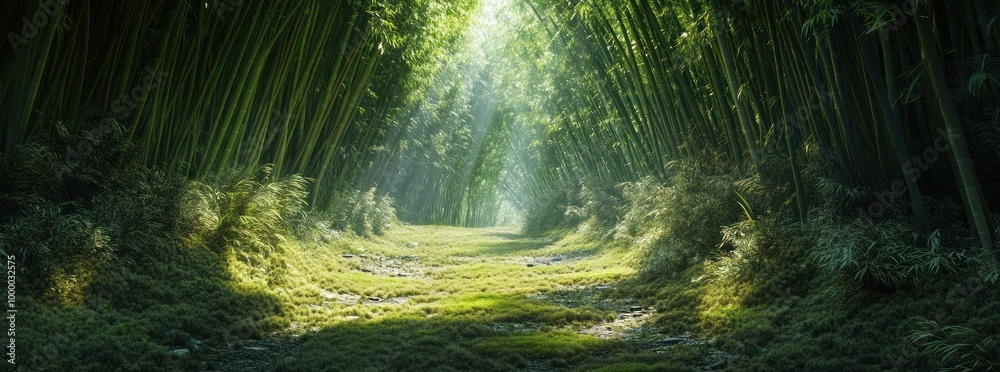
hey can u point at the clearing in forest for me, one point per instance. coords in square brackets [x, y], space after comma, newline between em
[445, 298]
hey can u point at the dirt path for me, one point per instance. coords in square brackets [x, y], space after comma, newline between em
[503, 301]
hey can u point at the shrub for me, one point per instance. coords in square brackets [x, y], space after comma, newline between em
[363, 212]
[598, 203]
[67, 167]
[548, 212]
[315, 227]
[762, 261]
[73, 203]
[891, 252]
[677, 223]
[49, 243]
[137, 209]
[245, 215]
[28, 176]
[758, 248]
[960, 348]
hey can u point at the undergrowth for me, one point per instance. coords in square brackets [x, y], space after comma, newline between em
[960, 348]
[120, 265]
[891, 252]
[245, 216]
[676, 224]
[363, 212]
[728, 257]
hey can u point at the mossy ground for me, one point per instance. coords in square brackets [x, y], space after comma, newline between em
[418, 298]
[424, 298]
[801, 318]
[465, 301]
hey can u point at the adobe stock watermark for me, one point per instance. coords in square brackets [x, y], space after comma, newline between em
[32, 26]
[914, 167]
[278, 121]
[794, 121]
[121, 109]
[901, 15]
[224, 7]
[11, 310]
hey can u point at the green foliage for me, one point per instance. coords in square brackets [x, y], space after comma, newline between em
[100, 264]
[69, 213]
[891, 252]
[677, 223]
[546, 213]
[245, 214]
[52, 244]
[314, 227]
[765, 302]
[760, 295]
[958, 348]
[601, 204]
[68, 166]
[363, 212]
[768, 252]
[133, 314]
[990, 272]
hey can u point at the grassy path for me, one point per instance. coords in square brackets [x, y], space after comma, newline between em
[443, 298]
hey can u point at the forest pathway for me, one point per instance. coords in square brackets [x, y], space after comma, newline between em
[445, 298]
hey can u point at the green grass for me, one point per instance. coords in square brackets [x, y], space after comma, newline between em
[463, 302]
[134, 315]
[795, 317]
[467, 300]
[468, 287]
[543, 345]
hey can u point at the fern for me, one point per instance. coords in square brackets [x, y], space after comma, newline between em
[957, 347]
[246, 216]
[892, 252]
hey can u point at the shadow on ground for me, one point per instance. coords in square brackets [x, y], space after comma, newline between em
[479, 333]
[517, 236]
[147, 315]
[507, 248]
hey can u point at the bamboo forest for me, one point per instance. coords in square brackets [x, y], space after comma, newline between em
[500, 185]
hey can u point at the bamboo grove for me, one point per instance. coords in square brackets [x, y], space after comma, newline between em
[892, 99]
[451, 151]
[205, 87]
[900, 96]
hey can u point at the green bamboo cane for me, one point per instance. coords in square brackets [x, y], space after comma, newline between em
[956, 136]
